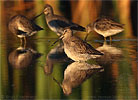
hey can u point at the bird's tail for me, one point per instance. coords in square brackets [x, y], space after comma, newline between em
[77, 28]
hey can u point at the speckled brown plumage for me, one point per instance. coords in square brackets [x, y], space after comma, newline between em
[105, 26]
[22, 26]
[76, 48]
[57, 23]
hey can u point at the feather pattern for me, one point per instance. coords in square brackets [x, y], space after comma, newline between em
[57, 23]
[105, 26]
[22, 26]
[76, 48]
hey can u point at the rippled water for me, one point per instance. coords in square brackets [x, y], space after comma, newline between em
[42, 71]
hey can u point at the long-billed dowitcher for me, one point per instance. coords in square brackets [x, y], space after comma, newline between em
[76, 48]
[57, 23]
[105, 26]
[22, 26]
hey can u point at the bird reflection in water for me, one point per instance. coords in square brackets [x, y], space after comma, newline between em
[55, 55]
[23, 57]
[110, 54]
[76, 73]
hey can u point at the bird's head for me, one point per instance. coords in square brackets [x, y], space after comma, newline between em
[66, 33]
[48, 9]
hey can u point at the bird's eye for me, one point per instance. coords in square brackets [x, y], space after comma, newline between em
[46, 9]
[65, 31]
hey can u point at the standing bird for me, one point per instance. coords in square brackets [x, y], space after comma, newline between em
[22, 27]
[57, 23]
[105, 27]
[76, 48]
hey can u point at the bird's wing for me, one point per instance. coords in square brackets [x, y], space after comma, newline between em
[25, 22]
[20, 32]
[36, 27]
[116, 25]
[60, 21]
[29, 25]
[77, 27]
[107, 24]
[83, 47]
[103, 25]
[91, 50]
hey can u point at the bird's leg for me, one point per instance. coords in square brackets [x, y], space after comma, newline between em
[21, 41]
[86, 37]
[55, 42]
[104, 38]
[24, 41]
[110, 38]
[81, 61]
[60, 37]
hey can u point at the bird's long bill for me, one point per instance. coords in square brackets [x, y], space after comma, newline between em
[37, 16]
[61, 36]
[57, 40]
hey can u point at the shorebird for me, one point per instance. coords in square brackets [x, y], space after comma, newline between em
[23, 27]
[76, 48]
[105, 27]
[57, 23]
